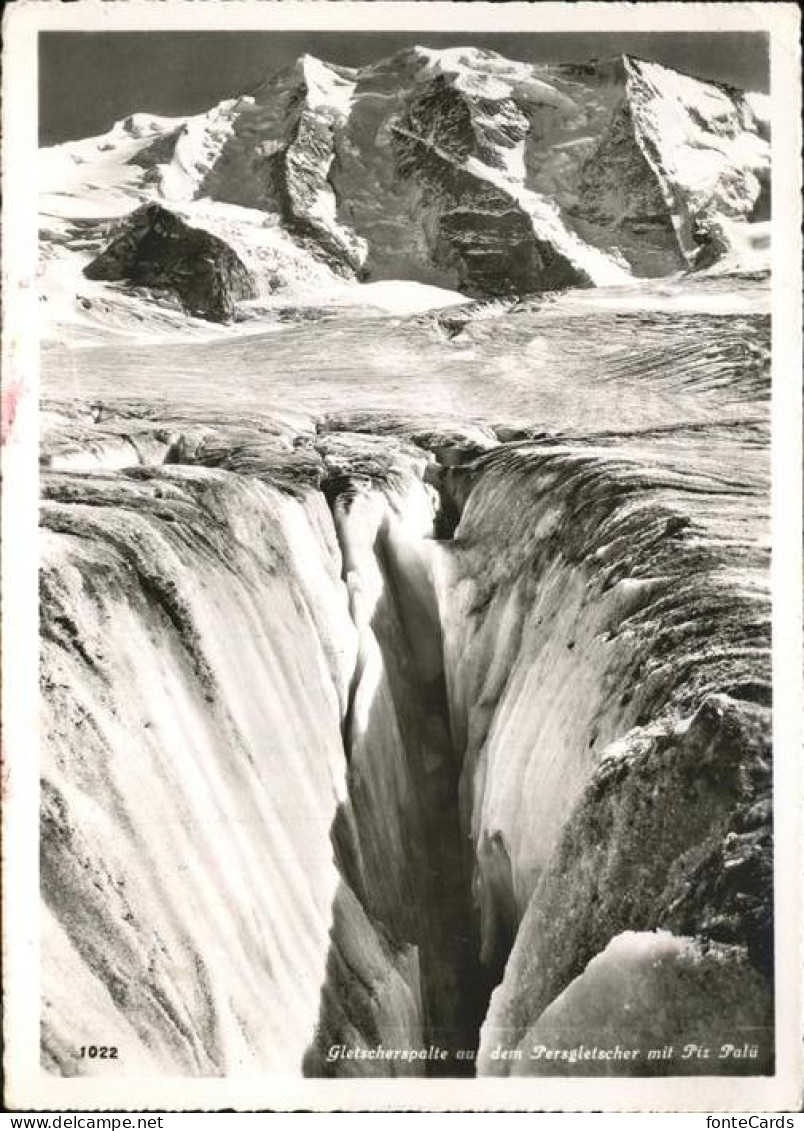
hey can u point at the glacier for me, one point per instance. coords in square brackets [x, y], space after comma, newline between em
[405, 614]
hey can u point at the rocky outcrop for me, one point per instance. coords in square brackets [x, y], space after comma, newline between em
[463, 169]
[160, 250]
[676, 155]
[658, 814]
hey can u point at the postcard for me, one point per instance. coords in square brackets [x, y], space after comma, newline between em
[402, 577]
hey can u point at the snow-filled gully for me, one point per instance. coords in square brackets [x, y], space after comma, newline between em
[408, 730]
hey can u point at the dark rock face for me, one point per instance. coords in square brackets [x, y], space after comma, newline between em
[479, 228]
[159, 151]
[464, 127]
[158, 249]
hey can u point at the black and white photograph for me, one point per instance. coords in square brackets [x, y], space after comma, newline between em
[400, 408]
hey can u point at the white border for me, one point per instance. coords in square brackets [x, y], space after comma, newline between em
[27, 1088]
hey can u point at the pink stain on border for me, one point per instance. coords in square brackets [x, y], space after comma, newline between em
[10, 401]
[5, 773]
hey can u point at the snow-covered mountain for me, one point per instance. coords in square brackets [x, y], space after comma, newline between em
[457, 168]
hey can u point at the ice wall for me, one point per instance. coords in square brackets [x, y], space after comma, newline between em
[196, 656]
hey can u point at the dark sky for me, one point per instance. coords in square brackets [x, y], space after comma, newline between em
[87, 80]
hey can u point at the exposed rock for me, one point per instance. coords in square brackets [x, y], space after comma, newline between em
[280, 156]
[619, 193]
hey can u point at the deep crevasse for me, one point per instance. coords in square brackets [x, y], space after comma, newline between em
[201, 639]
